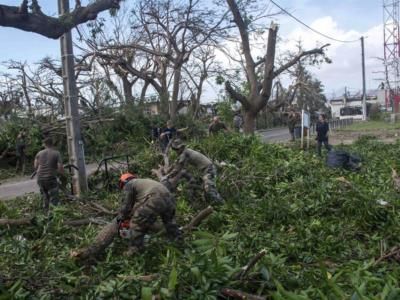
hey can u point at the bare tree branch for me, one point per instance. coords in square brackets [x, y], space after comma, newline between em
[298, 57]
[36, 21]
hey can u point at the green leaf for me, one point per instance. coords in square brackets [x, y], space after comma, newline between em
[229, 236]
[393, 295]
[147, 293]
[173, 279]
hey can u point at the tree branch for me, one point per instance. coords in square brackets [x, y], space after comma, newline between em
[298, 57]
[36, 21]
[236, 95]
[269, 66]
[244, 36]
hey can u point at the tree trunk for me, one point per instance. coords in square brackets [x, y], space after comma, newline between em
[143, 93]
[103, 239]
[164, 103]
[26, 94]
[249, 125]
[127, 86]
[175, 93]
[197, 98]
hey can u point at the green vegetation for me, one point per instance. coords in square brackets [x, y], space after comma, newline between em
[321, 234]
[372, 125]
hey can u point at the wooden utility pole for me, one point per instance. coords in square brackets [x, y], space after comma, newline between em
[364, 98]
[74, 140]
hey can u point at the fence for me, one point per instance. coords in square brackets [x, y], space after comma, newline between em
[334, 124]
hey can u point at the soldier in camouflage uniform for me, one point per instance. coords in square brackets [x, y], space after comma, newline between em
[48, 165]
[202, 163]
[143, 201]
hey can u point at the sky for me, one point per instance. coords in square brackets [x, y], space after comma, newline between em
[342, 19]
[345, 20]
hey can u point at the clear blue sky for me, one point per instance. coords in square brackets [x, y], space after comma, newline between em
[348, 15]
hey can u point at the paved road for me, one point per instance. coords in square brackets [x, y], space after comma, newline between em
[275, 135]
[12, 188]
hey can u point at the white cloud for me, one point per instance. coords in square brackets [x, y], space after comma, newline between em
[345, 69]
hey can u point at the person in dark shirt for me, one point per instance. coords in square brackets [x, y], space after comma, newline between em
[322, 134]
[216, 126]
[167, 136]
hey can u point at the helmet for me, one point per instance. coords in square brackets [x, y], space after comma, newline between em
[177, 144]
[125, 178]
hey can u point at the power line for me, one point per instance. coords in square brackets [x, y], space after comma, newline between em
[312, 29]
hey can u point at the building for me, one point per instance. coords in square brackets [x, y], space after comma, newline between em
[351, 106]
[153, 108]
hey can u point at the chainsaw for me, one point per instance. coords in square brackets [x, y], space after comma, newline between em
[123, 229]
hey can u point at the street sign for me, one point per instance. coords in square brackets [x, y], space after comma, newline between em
[305, 124]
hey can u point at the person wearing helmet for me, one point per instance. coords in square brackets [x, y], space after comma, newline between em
[143, 201]
[199, 161]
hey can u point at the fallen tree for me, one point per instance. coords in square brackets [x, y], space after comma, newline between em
[106, 236]
[32, 221]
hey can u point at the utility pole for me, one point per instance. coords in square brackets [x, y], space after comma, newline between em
[74, 140]
[364, 98]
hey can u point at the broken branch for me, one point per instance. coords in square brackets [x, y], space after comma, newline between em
[198, 219]
[36, 21]
[243, 272]
[236, 294]
[16, 222]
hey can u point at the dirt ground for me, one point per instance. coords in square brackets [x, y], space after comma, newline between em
[347, 137]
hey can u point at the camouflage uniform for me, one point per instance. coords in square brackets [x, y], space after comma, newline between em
[48, 160]
[144, 201]
[205, 165]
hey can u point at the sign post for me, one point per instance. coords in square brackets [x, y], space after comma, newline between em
[305, 123]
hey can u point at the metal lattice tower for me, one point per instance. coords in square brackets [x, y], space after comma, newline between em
[391, 49]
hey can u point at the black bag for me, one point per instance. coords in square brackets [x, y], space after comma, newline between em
[343, 159]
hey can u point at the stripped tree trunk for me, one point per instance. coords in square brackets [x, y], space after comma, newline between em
[103, 239]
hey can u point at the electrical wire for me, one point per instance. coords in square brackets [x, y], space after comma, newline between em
[309, 27]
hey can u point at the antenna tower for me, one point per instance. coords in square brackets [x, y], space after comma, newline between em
[391, 53]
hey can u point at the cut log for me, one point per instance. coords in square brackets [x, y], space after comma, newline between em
[106, 236]
[82, 222]
[16, 222]
[31, 221]
[198, 219]
[103, 239]
[243, 272]
[236, 294]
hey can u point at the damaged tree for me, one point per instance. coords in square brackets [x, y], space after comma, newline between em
[31, 18]
[260, 85]
[106, 236]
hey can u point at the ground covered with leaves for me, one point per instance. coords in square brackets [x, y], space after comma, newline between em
[322, 231]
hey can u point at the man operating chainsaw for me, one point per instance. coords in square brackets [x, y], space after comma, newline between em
[143, 201]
